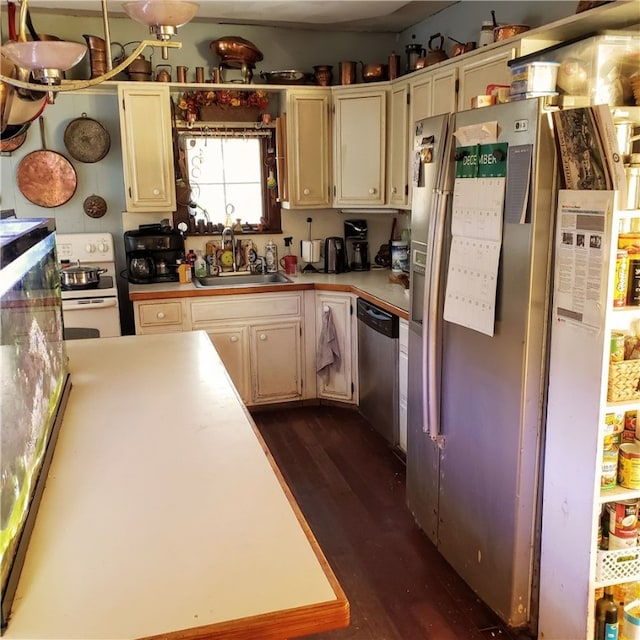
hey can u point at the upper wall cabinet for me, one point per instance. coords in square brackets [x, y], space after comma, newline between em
[147, 151]
[479, 71]
[308, 149]
[398, 144]
[359, 147]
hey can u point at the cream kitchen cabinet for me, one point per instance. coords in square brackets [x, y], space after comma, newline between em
[359, 147]
[147, 150]
[232, 345]
[398, 145]
[159, 316]
[259, 339]
[433, 92]
[481, 70]
[308, 149]
[340, 383]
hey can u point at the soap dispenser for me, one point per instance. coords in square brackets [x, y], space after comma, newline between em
[271, 257]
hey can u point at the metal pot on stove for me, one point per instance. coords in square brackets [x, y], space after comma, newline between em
[80, 277]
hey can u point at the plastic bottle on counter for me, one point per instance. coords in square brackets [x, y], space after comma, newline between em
[271, 257]
[184, 273]
[199, 266]
[191, 257]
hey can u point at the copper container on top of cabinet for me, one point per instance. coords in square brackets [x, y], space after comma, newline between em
[348, 72]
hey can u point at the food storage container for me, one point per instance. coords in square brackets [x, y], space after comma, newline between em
[534, 76]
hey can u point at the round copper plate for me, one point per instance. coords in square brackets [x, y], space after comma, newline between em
[86, 139]
[95, 206]
[46, 178]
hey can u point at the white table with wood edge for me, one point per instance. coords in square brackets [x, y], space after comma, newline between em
[164, 514]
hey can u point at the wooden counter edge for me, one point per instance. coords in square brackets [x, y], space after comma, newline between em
[289, 623]
[230, 291]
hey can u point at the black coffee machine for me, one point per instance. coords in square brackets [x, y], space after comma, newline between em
[357, 246]
[153, 254]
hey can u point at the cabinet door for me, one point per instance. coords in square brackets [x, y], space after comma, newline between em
[339, 384]
[398, 142]
[444, 94]
[276, 362]
[360, 151]
[481, 71]
[421, 90]
[308, 150]
[147, 150]
[232, 345]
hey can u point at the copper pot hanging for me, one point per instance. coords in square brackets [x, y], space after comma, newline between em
[46, 178]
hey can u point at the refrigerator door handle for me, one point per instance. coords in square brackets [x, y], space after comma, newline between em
[431, 347]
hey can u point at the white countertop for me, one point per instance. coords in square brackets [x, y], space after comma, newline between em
[162, 511]
[373, 284]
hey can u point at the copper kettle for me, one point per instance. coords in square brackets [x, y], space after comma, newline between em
[437, 54]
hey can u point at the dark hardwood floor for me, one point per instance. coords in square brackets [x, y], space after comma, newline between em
[351, 488]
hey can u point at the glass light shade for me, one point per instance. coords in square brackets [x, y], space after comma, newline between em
[44, 54]
[173, 13]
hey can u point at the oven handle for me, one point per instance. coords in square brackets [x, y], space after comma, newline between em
[89, 304]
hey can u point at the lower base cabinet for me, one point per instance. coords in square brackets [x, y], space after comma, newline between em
[232, 345]
[339, 383]
[259, 340]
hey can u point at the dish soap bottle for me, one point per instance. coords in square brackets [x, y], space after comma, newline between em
[271, 257]
[199, 266]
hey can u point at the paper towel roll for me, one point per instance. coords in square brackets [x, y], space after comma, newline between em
[311, 250]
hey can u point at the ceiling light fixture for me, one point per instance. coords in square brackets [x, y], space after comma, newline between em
[47, 60]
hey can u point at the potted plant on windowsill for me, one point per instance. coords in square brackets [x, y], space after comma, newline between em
[223, 105]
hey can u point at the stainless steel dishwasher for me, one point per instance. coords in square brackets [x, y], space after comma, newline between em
[378, 368]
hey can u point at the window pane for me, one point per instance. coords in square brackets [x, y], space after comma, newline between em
[226, 171]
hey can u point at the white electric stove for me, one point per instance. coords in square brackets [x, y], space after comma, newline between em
[90, 312]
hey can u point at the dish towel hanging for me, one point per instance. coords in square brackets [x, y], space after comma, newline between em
[328, 353]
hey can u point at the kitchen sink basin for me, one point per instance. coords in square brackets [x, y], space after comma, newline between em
[238, 280]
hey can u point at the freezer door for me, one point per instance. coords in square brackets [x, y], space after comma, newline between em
[493, 398]
[430, 139]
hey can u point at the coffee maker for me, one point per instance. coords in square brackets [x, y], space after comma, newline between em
[153, 254]
[355, 236]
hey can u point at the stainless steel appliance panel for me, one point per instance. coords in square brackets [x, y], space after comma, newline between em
[378, 332]
[484, 450]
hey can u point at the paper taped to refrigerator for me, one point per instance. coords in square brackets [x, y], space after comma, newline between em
[476, 227]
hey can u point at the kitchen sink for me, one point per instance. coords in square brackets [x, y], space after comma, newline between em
[238, 280]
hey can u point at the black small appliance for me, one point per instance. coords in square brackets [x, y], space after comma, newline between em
[357, 246]
[153, 254]
[335, 256]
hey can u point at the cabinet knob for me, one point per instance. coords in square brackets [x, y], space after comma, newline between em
[263, 336]
[234, 338]
[372, 191]
[160, 315]
[306, 192]
[156, 192]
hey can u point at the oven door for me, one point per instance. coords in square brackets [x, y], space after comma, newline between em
[91, 318]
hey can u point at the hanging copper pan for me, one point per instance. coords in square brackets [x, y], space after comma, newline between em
[13, 137]
[45, 177]
[86, 139]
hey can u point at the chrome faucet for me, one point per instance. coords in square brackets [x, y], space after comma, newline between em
[229, 231]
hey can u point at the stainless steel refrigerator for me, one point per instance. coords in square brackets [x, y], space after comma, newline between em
[476, 402]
